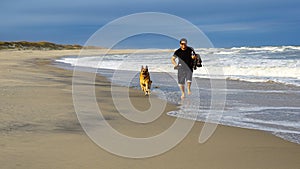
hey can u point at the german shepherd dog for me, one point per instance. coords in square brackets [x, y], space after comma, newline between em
[145, 81]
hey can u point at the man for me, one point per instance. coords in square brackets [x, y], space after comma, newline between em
[186, 56]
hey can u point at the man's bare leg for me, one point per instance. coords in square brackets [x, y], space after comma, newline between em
[182, 91]
[189, 88]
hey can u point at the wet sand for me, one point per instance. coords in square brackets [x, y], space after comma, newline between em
[39, 127]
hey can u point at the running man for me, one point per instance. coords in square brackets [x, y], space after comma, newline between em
[186, 56]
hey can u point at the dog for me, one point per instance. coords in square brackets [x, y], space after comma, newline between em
[145, 81]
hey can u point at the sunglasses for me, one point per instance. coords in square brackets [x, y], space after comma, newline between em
[182, 43]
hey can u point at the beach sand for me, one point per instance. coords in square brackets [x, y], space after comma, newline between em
[39, 128]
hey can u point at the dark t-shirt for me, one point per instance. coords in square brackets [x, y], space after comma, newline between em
[185, 57]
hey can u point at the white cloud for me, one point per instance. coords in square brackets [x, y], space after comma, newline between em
[226, 27]
[253, 26]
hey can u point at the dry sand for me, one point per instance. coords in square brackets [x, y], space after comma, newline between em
[39, 128]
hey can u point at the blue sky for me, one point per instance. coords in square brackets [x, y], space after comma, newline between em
[226, 23]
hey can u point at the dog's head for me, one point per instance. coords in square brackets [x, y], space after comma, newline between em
[144, 70]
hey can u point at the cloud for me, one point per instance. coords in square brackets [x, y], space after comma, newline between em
[226, 27]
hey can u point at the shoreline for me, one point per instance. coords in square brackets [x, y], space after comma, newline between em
[235, 88]
[39, 128]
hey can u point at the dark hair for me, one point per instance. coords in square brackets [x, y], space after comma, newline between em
[183, 39]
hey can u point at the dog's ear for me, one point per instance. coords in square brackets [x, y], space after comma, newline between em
[146, 67]
[142, 67]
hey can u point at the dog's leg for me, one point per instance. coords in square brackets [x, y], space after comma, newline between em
[142, 87]
[147, 90]
[150, 83]
[149, 87]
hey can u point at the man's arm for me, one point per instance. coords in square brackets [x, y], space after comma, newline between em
[174, 61]
[194, 56]
[193, 53]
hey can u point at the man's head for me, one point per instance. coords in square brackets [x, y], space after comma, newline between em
[183, 43]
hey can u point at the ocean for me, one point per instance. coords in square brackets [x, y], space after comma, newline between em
[262, 84]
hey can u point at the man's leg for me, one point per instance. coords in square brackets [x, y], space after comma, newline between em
[181, 81]
[189, 87]
[181, 86]
[189, 77]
